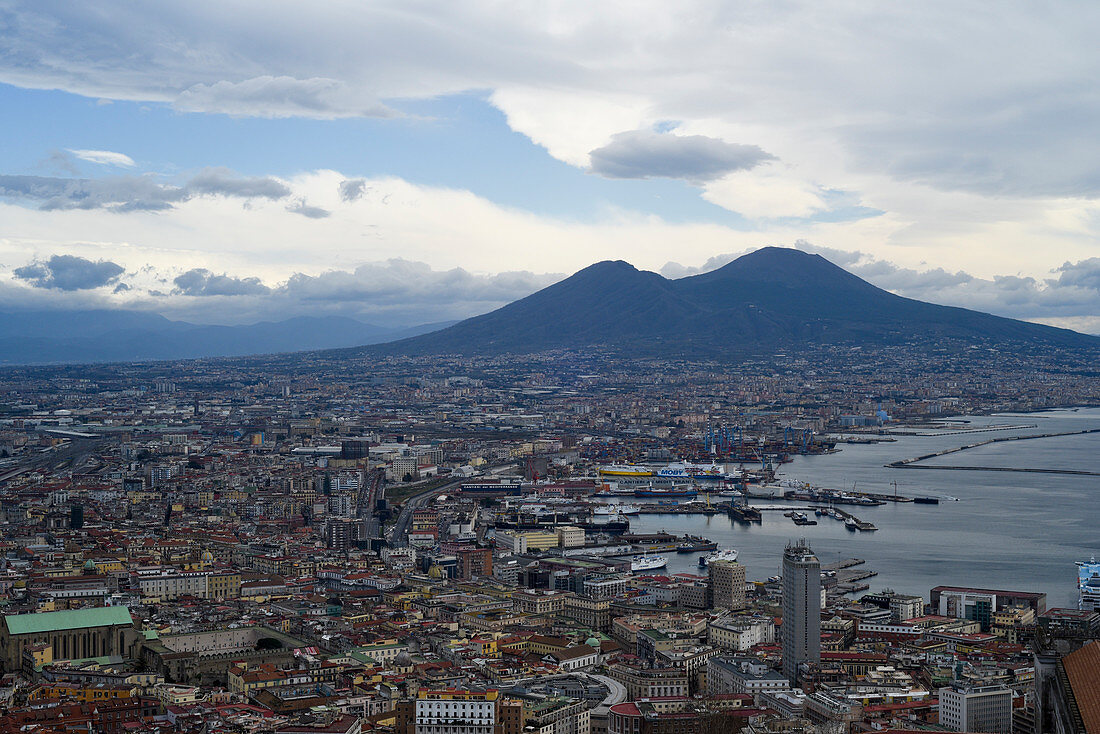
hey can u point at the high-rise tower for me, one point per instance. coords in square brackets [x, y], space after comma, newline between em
[801, 608]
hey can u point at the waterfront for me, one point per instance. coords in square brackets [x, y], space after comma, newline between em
[1008, 530]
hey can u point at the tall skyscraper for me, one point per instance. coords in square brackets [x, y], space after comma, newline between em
[801, 608]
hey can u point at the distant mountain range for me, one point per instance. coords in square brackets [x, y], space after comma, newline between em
[771, 298]
[38, 337]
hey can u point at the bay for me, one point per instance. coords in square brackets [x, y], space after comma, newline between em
[1008, 530]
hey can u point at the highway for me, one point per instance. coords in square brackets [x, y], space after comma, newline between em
[371, 489]
[399, 534]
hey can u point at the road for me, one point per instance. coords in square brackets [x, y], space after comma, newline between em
[370, 491]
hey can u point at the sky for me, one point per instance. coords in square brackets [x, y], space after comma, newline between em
[411, 162]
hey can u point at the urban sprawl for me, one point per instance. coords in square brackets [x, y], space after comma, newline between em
[322, 544]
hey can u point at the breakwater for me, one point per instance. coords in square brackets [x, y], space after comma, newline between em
[914, 463]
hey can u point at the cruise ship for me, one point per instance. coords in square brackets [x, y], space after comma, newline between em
[647, 563]
[729, 554]
[1088, 585]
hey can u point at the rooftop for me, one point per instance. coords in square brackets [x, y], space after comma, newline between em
[27, 624]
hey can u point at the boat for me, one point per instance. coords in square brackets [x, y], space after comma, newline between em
[729, 554]
[855, 524]
[612, 510]
[647, 562]
[625, 470]
[692, 544]
[685, 492]
[926, 500]
[801, 519]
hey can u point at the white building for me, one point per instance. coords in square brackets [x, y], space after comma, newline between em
[976, 708]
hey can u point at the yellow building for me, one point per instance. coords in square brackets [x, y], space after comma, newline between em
[84, 694]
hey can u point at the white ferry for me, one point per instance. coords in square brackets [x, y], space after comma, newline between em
[729, 554]
[647, 563]
[625, 470]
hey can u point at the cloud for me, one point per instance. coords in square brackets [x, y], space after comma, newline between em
[1004, 106]
[313, 212]
[105, 157]
[455, 229]
[352, 189]
[134, 193]
[280, 96]
[1071, 300]
[222, 181]
[202, 282]
[1084, 274]
[398, 281]
[695, 158]
[69, 273]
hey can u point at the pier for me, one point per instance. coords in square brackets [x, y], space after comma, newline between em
[845, 576]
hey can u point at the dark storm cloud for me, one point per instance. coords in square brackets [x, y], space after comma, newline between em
[695, 158]
[69, 273]
[134, 193]
[202, 282]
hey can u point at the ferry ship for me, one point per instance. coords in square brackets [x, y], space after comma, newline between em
[678, 492]
[1088, 585]
[625, 470]
[647, 563]
[729, 554]
[616, 510]
[691, 471]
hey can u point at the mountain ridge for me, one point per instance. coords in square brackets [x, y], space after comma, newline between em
[103, 335]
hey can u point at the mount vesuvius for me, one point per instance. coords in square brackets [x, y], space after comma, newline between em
[771, 298]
